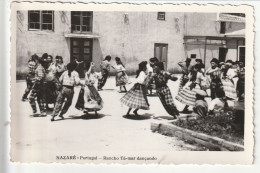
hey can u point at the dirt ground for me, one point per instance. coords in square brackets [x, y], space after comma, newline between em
[40, 140]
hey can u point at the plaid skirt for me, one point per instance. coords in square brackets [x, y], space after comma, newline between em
[122, 79]
[229, 88]
[165, 96]
[186, 96]
[136, 97]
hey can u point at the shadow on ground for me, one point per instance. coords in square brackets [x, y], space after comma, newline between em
[140, 117]
[164, 117]
[87, 116]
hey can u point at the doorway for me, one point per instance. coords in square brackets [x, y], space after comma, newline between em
[222, 54]
[81, 48]
[161, 52]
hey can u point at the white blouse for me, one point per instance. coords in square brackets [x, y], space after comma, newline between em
[141, 78]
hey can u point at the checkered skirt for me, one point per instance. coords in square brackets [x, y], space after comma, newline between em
[186, 96]
[165, 96]
[122, 79]
[229, 88]
[136, 97]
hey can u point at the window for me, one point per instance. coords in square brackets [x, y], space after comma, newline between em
[161, 16]
[222, 27]
[81, 21]
[40, 20]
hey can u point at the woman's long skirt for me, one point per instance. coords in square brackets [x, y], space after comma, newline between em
[121, 79]
[229, 88]
[89, 99]
[165, 96]
[136, 97]
[186, 95]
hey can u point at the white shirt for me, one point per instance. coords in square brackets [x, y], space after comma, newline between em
[141, 78]
[216, 105]
[72, 80]
[119, 68]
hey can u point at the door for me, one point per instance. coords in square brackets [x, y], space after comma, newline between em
[241, 53]
[81, 49]
[161, 52]
[222, 54]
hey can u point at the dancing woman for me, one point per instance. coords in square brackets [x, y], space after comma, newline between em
[161, 78]
[121, 76]
[185, 72]
[105, 69]
[187, 95]
[89, 99]
[68, 79]
[136, 97]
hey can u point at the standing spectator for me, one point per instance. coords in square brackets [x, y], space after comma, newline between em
[60, 66]
[215, 81]
[105, 69]
[32, 64]
[229, 80]
[241, 81]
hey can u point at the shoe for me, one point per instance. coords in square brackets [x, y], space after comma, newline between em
[52, 119]
[24, 99]
[44, 114]
[61, 116]
[135, 112]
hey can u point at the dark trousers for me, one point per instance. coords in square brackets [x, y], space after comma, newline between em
[29, 85]
[39, 94]
[66, 93]
[165, 96]
[102, 81]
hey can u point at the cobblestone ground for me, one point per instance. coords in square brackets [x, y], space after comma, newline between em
[38, 139]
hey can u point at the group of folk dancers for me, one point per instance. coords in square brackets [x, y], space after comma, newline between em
[51, 82]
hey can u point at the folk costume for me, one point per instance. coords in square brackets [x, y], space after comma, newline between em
[215, 78]
[105, 69]
[89, 99]
[241, 83]
[121, 76]
[38, 89]
[161, 78]
[30, 78]
[136, 97]
[187, 95]
[229, 82]
[68, 79]
[52, 83]
[201, 106]
[185, 72]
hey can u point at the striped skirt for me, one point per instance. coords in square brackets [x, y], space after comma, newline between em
[186, 96]
[229, 88]
[136, 97]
